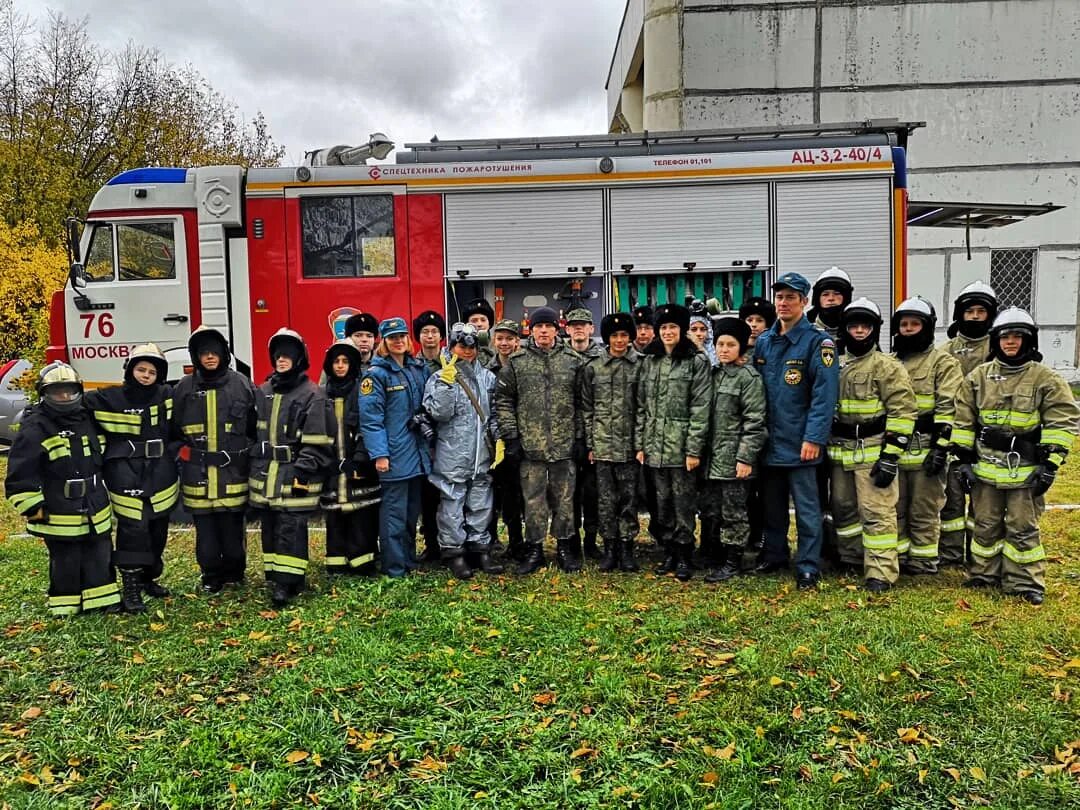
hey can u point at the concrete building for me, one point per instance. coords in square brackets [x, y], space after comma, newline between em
[997, 81]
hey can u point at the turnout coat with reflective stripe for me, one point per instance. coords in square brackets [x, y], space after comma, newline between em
[357, 486]
[292, 443]
[936, 379]
[57, 467]
[142, 480]
[212, 417]
[1020, 401]
[872, 387]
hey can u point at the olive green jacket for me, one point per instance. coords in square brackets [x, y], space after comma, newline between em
[737, 429]
[673, 404]
[608, 405]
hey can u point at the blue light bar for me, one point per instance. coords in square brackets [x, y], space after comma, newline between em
[149, 176]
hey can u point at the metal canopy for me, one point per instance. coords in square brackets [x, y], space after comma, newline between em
[972, 215]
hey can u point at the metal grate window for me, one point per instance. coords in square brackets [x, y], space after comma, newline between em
[1012, 273]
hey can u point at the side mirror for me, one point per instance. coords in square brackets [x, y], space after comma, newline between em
[77, 274]
[72, 229]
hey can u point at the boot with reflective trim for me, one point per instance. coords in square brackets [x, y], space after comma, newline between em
[131, 591]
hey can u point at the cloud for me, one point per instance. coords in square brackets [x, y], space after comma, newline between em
[332, 71]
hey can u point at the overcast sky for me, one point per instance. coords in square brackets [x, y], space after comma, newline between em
[333, 71]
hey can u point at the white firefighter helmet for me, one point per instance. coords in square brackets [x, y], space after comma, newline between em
[862, 309]
[1014, 319]
[834, 273]
[284, 335]
[977, 292]
[918, 307]
[60, 386]
[150, 353]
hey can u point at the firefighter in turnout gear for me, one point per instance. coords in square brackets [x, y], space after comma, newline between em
[288, 460]
[54, 480]
[935, 377]
[969, 342]
[608, 403]
[1015, 422]
[140, 473]
[214, 424]
[875, 416]
[831, 295]
[351, 494]
[674, 390]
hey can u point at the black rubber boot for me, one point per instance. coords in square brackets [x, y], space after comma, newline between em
[155, 590]
[487, 564]
[667, 565]
[131, 591]
[532, 561]
[279, 594]
[459, 567]
[591, 551]
[727, 559]
[684, 568]
[626, 558]
[568, 555]
[612, 555]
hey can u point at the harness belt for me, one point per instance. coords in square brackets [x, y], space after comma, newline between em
[216, 458]
[924, 422]
[858, 430]
[1026, 444]
[151, 448]
[281, 453]
[78, 488]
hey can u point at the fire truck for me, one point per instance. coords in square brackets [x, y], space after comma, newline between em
[608, 222]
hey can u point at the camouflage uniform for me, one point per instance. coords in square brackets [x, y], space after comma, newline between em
[935, 377]
[586, 495]
[608, 402]
[673, 423]
[537, 403]
[737, 433]
[1030, 409]
[876, 403]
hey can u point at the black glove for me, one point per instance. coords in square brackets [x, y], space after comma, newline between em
[935, 461]
[884, 470]
[580, 451]
[514, 451]
[1042, 479]
[966, 476]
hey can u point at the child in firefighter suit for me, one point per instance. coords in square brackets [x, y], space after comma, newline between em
[140, 474]
[350, 497]
[214, 424]
[875, 416]
[459, 399]
[54, 480]
[1015, 422]
[608, 402]
[935, 377]
[974, 311]
[737, 436]
[291, 453]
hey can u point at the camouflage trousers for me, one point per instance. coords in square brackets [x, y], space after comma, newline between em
[676, 505]
[724, 511]
[616, 484]
[1006, 548]
[547, 488]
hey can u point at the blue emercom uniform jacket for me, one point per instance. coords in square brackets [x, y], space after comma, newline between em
[802, 383]
[389, 395]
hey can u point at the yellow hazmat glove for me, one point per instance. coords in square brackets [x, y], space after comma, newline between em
[448, 374]
[500, 453]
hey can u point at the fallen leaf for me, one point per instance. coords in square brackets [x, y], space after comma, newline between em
[583, 751]
[775, 681]
[296, 756]
[138, 658]
[977, 773]
[31, 713]
[797, 713]
[836, 777]
[493, 633]
[963, 604]
[544, 698]
[710, 778]
[157, 627]
[954, 773]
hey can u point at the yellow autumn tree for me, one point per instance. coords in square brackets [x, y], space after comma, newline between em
[29, 272]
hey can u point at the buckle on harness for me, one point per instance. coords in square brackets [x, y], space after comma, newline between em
[155, 448]
[281, 453]
[75, 488]
[858, 455]
[1012, 463]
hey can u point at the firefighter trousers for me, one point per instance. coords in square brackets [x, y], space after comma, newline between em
[140, 544]
[1006, 548]
[352, 538]
[616, 486]
[957, 521]
[81, 576]
[220, 546]
[285, 547]
[676, 505]
[586, 509]
[506, 481]
[918, 518]
[547, 488]
[865, 520]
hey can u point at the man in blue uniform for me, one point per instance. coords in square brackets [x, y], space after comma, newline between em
[802, 379]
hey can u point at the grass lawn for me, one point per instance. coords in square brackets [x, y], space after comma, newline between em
[545, 691]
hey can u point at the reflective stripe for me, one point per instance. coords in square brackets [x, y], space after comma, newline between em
[166, 499]
[214, 503]
[363, 559]
[1062, 438]
[272, 468]
[1014, 419]
[895, 449]
[903, 545]
[963, 438]
[101, 596]
[979, 550]
[854, 530]
[25, 501]
[194, 430]
[1024, 557]
[898, 424]
[969, 523]
[913, 459]
[925, 402]
[211, 439]
[994, 474]
[116, 416]
[126, 505]
[953, 525]
[879, 542]
[338, 561]
[285, 564]
[316, 439]
[261, 424]
[865, 455]
[924, 551]
[64, 605]
[850, 407]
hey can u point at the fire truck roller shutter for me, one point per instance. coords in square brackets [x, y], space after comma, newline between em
[847, 223]
[495, 234]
